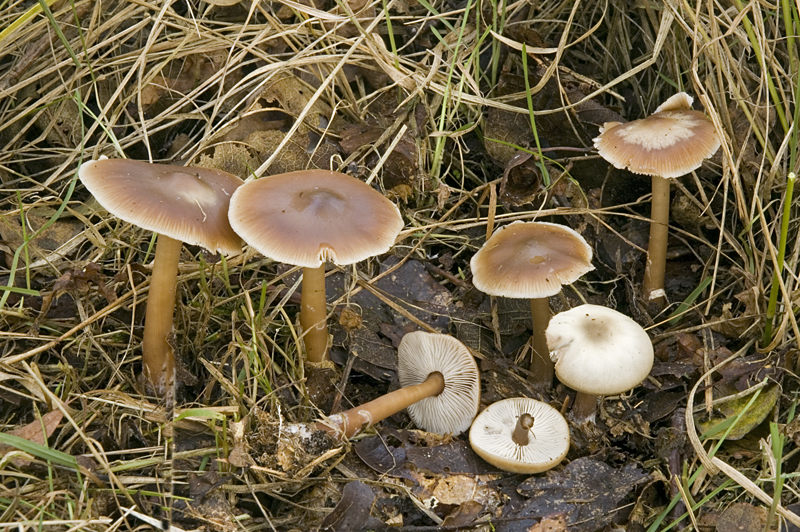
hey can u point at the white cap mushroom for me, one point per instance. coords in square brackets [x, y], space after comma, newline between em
[598, 351]
[441, 389]
[520, 435]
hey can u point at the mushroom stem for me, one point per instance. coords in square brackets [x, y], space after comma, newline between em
[313, 314]
[349, 423]
[522, 429]
[653, 285]
[158, 358]
[584, 408]
[541, 365]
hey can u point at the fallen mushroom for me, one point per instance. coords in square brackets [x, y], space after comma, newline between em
[307, 218]
[520, 435]
[671, 142]
[440, 388]
[181, 204]
[597, 352]
[532, 260]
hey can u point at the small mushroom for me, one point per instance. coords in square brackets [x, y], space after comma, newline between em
[532, 260]
[181, 204]
[520, 435]
[598, 351]
[306, 218]
[441, 389]
[671, 142]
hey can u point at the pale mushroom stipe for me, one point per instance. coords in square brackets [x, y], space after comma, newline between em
[307, 218]
[598, 351]
[672, 142]
[181, 204]
[532, 260]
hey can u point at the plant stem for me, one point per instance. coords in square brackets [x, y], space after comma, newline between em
[313, 314]
[773, 294]
[158, 357]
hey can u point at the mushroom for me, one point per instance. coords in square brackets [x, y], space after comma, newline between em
[598, 351]
[671, 142]
[181, 204]
[532, 260]
[440, 388]
[520, 435]
[306, 218]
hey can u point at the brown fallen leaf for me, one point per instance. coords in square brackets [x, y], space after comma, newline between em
[36, 432]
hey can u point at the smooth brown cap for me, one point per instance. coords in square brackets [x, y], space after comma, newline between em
[311, 216]
[548, 443]
[598, 350]
[670, 143]
[185, 203]
[452, 411]
[530, 260]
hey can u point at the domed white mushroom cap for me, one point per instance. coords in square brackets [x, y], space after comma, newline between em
[530, 260]
[599, 351]
[491, 436]
[670, 143]
[452, 411]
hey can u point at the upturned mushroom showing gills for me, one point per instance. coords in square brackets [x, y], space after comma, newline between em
[307, 218]
[598, 351]
[520, 435]
[532, 260]
[181, 204]
[440, 388]
[672, 142]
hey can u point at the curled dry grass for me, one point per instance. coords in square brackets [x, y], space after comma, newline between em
[74, 77]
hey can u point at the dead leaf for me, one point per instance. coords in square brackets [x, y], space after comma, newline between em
[36, 432]
[353, 511]
[587, 493]
[742, 517]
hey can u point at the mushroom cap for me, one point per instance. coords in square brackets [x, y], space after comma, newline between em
[670, 143]
[599, 351]
[452, 411]
[548, 443]
[311, 216]
[185, 203]
[530, 260]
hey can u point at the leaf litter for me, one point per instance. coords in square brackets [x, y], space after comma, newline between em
[427, 101]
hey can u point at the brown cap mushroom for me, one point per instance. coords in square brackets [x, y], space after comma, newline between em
[671, 142]
[441, 389]
[520, 435]
[181, 204]
[532, 260]
[598, 351]
[308, 217]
